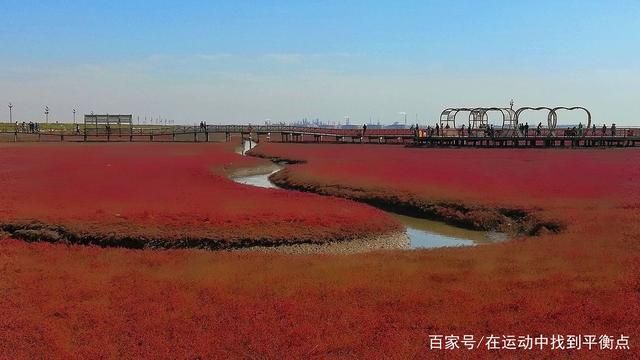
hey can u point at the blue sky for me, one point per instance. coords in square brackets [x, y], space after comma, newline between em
[231, 61]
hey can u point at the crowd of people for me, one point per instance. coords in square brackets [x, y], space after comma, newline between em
[488, 130]
[445, 130]
[27, 127]
[34, 127]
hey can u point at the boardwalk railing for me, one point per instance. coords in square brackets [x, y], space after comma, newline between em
[627, 136]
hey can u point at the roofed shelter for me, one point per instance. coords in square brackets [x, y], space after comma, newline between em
[107, 124]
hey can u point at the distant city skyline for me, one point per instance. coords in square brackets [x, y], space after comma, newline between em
[233, 62]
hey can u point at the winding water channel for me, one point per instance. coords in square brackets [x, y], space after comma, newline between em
[422, 233]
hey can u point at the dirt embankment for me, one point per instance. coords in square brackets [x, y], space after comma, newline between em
[39, 232]
[389, 241]
[515, 222]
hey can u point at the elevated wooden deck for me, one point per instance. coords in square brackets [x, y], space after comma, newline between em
[623, 137]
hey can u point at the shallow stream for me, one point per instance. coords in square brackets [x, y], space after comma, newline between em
[422, 233]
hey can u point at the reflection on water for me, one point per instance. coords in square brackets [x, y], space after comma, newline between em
[423, 233]
[246, 146]
[260, 180]
[431, 234]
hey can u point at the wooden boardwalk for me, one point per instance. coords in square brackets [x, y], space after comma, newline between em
[529, 141]
[623, 137]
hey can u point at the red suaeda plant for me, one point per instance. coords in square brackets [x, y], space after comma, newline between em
[77, 301]
[166, 191]
[508, 177]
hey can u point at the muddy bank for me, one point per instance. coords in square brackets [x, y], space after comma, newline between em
[252, 171]
[509, 221]
[391, 241]
[514, 222]
[40, 232]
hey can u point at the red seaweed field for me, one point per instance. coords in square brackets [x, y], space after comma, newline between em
[472, 187]
[178, 193]
[521, 177]
[68, 301]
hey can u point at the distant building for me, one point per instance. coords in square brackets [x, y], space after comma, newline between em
[396, 125]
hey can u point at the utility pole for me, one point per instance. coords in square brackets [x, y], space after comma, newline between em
[10, 113]
[46, 114]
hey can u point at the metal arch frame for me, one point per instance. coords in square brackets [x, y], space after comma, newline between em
[447, 112]
[448, 115]
[478, 115]
[451, 114]
[552, 118]
[555, 116]
[512, 119]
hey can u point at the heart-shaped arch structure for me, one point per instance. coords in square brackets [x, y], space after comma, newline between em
[554, 118]
[478, 117]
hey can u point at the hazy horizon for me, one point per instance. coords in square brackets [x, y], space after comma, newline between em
[237, 63]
